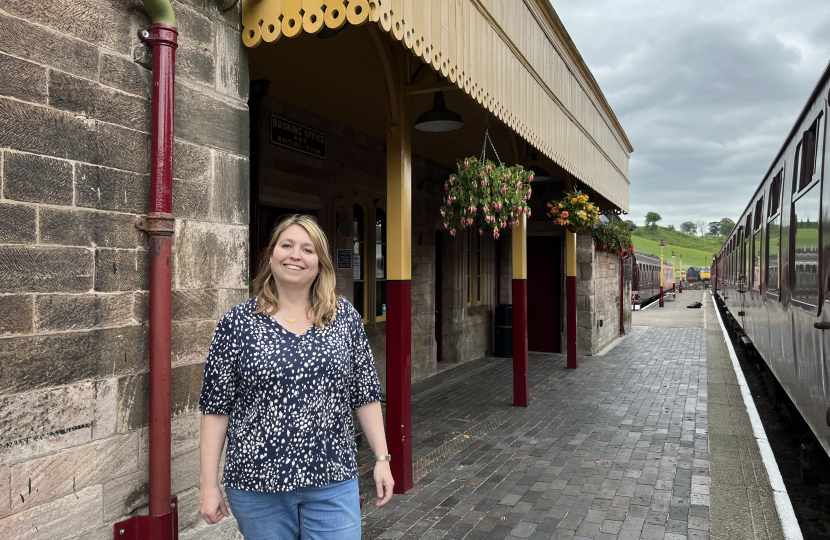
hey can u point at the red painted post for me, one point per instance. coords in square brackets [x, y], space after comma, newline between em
[570, 284]
[622, 294]
[521, 377]
[661, 296]
[399, 381]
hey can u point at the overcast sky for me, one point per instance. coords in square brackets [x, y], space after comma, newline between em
[706, 91]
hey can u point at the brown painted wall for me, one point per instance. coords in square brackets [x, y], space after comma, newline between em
[74, 148]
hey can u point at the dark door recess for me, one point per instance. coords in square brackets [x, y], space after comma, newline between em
[544, 294]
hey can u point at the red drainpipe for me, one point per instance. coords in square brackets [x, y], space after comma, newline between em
[162, 521]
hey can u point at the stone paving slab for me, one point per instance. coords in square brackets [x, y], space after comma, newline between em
[621, 448]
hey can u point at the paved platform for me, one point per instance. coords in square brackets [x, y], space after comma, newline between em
[621, 448]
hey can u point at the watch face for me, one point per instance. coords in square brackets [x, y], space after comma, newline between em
[344, 230]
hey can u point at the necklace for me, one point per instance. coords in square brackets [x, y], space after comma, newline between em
[289, 320]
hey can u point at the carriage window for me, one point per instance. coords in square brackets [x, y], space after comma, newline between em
[775, 193]
[773, 254]
[804, 239]
[808, 158]
[756, 245]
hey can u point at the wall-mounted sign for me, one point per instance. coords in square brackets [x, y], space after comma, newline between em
[344, 258]
[292, 135]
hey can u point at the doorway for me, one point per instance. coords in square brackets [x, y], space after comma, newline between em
[544, 293]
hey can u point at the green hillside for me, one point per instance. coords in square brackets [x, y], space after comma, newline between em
[696, 251]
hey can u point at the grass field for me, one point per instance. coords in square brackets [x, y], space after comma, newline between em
[696, 251]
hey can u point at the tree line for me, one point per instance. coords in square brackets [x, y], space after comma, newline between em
[699, 228]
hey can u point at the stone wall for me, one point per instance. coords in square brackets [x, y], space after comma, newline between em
[74, 149]
[598, 297]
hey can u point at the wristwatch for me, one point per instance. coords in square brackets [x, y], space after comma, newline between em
[387, 457]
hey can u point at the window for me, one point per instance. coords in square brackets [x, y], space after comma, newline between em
[772, 240]
[380, 264]
[808, 157]
[359, 260]
[756, 244]
[804, 230]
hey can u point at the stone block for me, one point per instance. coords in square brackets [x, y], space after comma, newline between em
[191, 200]
[185, 471]
[105, 418]
[191, 163]
[133, 395]
[39, 269]
[121, 270]
[60, 134]
[16, 314]
[210, 255]
[17, 224]
[109, 189]
[94, 100]
[5, 491]
[126, 494]
[196, 63]
[83, 19]
[205, 120]
[189, 508]
[22, 80]
[232, 63]
[231, 188]
[196, 304]
[72, 227]
[185, 433]
[122, 148]
[34, 362]
[194, 27]
[59, 312]
[191, 341]
[42, 479]
[72, 516]
[37, 414]
[131, 77]
[228, 298]
[37, 179]
[40, 45]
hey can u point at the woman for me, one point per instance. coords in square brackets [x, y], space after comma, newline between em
[284, 370]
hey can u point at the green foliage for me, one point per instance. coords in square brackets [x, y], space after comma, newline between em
[574, 209]
[612, 237]
[670, 227]
[631, 225]
[652, 218]
[688, 227]
[725, 226]
[498, 193]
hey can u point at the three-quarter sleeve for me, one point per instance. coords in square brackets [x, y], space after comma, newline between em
[364, 387]
[220, 381]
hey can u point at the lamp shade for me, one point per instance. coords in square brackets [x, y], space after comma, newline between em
[439, 119]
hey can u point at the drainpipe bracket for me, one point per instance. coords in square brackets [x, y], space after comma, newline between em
[161, 527]
[157, 224]
[160, 34]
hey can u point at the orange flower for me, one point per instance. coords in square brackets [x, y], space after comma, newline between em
[565, 214]
[554, 210]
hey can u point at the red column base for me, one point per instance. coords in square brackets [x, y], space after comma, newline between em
[661, 296]
[521, 379]
[161, 527]
[570, 283]
[399, 382]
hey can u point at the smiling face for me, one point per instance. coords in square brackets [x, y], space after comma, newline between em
[294, 262]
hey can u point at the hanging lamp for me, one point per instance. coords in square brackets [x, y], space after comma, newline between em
[539, 173]
[439, 119]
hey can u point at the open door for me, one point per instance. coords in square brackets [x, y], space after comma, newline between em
[544, 293]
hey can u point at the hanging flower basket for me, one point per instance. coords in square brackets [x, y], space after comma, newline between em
[574, 211]
[495, 193]
[612, 237]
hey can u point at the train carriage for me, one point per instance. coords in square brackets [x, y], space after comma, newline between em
[772, 273]
[645, 281]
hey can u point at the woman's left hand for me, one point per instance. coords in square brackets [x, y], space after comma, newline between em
[383, 482]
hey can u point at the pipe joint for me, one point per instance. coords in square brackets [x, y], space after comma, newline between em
[157, 224]
[160, 34]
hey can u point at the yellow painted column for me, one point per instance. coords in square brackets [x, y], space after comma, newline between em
[521, 377]
[570, 286]
[399, 272]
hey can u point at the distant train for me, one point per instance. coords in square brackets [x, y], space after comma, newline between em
[704, 274]
[693, 275]
[772, 274]
[645, 279]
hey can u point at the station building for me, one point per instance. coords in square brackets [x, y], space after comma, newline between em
[277, 111]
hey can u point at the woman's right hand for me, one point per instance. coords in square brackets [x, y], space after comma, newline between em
[212, 505]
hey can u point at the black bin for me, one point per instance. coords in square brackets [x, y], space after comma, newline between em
[503, 347]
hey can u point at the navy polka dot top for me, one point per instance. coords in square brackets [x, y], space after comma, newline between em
[288, 397]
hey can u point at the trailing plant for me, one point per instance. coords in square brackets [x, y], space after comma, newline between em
[574, 209]
[612, 237]
[495, 194]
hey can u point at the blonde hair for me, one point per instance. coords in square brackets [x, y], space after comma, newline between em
[321, 297]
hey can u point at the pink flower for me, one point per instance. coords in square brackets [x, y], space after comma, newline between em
[443, 213]
[531, 178]
[519, 185]
[466, 166]
[529, 191]
[452, 180]
[452, 232]
[480, 232]
[496, 234]
[446, 187]
[489, 169]
[445, 224]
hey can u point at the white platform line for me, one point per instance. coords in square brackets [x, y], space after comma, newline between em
[789, 523]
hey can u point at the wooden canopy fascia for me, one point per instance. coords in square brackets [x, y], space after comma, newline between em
[514, 60]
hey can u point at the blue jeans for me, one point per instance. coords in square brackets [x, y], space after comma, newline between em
[330, 512]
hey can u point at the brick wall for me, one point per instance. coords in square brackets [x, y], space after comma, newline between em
[74, 152]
